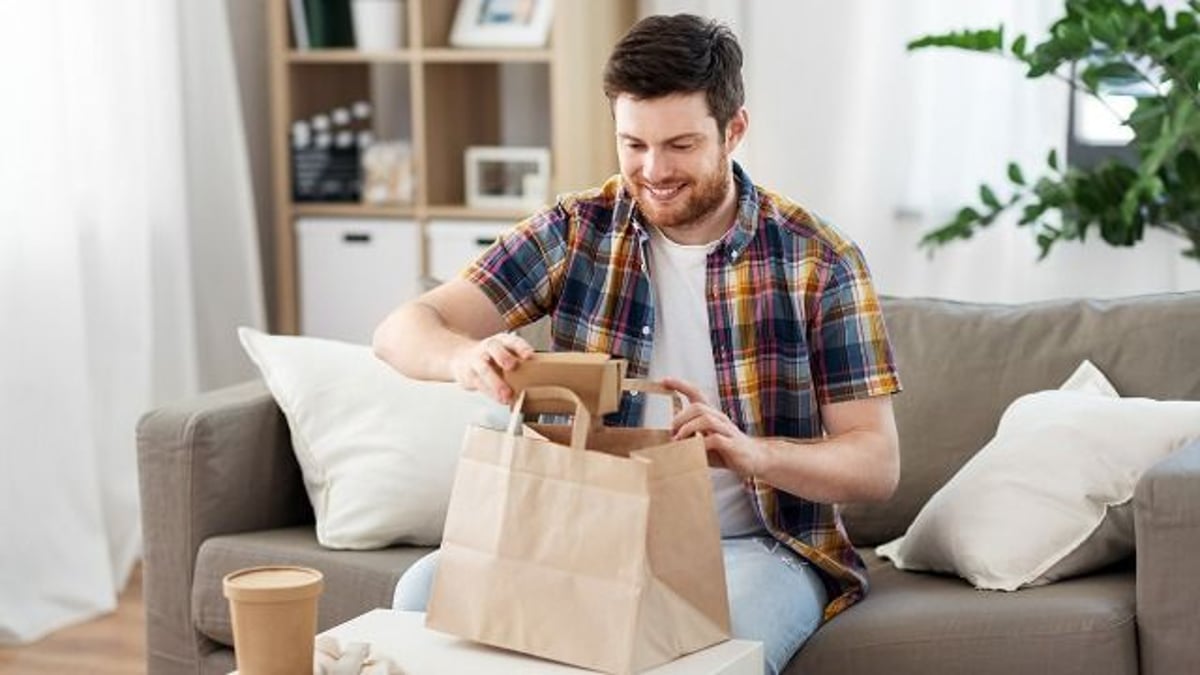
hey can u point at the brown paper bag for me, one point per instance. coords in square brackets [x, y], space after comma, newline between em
[607, 558]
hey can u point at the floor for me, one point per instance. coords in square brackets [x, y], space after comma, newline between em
[111, 645]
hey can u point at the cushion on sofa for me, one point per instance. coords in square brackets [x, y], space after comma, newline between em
[377, 449]
[915, 624]
[963, 364]
[1051, 495]
[355, 581]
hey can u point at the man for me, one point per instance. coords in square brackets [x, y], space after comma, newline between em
[760, 314]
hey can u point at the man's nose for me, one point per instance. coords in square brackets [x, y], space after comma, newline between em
[655, 167]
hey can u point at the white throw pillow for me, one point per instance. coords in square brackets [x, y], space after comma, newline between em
[1050, 496]
[377, 450]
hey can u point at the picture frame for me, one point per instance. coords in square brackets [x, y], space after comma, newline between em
[506, 176]
[501, 23]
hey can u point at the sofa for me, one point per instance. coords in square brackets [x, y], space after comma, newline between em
[221, 489]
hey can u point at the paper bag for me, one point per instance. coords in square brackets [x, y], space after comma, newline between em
[607, 558]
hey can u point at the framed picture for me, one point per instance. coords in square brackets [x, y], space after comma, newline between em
[507, 177]
[501, 23]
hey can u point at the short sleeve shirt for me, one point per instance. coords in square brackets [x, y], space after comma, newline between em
[794, 324]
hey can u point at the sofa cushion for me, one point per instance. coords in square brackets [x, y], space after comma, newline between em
[1051, 495]
[914, 624]
[377, 449]
[355, 581]
[964, 363]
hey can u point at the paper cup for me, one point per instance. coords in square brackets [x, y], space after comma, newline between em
[274, 614]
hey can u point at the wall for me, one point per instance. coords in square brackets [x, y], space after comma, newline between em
[248, 29]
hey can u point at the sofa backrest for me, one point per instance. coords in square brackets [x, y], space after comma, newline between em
[962, 364]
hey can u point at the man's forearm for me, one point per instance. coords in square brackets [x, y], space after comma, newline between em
[416, 341]
[857, 466]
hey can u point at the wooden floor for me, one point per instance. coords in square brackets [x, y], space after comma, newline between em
[111, 645]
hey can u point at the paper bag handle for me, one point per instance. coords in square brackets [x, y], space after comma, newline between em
[653, 387]
[581, 425]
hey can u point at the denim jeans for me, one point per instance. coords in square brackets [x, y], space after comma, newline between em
[775, 597]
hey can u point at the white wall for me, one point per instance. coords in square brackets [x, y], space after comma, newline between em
[886, 144]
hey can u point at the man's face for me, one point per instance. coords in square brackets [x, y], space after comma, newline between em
[673, 160]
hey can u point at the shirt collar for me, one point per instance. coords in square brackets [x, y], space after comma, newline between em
[732, 243]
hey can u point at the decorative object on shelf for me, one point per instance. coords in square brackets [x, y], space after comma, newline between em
[1101, 47]
[378, 24]
[326, 150]
[501, 23]
[388, 175]
[507, 177]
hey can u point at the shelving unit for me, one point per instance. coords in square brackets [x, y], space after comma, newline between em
[444, 99]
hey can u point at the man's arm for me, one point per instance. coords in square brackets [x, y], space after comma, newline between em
[859, 461]
[452, 333]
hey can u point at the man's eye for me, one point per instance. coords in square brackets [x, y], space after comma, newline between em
[681, 146]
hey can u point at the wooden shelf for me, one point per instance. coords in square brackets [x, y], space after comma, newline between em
[435, 55]
[463, 212]
[456, 55]
[352, 210]
[443, 100]
[348, 56]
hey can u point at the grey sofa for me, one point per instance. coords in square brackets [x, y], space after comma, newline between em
[220, 490]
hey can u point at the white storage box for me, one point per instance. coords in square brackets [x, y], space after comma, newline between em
[453, 244]
[353, 272]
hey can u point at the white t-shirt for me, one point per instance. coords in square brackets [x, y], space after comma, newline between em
[683, 350]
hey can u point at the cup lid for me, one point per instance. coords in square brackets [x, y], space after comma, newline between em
[273, 583]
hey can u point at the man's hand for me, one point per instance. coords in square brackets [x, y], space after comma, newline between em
[727, 445]
[480, 366]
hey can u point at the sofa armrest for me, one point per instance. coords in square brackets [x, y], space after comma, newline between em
[219, 463]
[1167, 522]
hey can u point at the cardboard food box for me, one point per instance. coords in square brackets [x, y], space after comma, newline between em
[595, 378]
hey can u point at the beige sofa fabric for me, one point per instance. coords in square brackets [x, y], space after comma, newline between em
[215, 464]
[963, 364]
[1167, 525]
[218, 471]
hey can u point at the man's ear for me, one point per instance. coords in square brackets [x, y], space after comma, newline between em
[735, 130]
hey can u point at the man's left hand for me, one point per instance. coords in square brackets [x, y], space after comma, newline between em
[727, 445]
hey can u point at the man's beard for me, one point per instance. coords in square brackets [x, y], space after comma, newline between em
[706, 196]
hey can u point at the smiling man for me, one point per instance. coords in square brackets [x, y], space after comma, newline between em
[761, 314]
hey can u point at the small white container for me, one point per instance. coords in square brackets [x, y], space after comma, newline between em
[378, 24]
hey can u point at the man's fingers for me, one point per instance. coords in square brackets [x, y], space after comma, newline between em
[507, 351]
[691, 391]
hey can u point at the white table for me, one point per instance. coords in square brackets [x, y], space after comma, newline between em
[403, 637]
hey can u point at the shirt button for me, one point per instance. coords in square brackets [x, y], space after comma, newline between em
[733, 255]
[645, 330]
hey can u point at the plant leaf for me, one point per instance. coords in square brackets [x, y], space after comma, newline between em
[1052, 159]
[1014, 174]
[1018, 46]
[986, 40]
[989, 198]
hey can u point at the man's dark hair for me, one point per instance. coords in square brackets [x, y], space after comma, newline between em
[680, 54]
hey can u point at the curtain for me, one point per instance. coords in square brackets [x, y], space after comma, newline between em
[887, 144]
[128, 255]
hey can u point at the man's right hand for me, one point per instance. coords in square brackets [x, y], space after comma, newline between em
[480, 366]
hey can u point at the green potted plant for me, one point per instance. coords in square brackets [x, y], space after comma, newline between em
[1096, 46]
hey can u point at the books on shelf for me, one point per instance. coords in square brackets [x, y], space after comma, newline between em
[321, 24]
[299, 21]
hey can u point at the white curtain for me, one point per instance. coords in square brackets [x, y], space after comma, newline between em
[128, 255]
[887, 144]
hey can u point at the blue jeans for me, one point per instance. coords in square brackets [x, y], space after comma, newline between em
[775, 597]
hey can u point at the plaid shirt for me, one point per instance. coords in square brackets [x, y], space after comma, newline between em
[794, 324]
